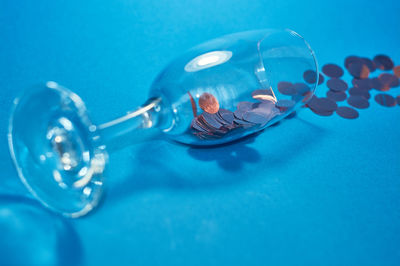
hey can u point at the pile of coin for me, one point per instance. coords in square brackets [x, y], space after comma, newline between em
[215, 122]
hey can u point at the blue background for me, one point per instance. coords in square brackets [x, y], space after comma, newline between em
[311, 191]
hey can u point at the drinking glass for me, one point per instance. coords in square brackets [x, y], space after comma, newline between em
[214, 93]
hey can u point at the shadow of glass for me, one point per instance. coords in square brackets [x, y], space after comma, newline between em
[158, 164]
[31, 235]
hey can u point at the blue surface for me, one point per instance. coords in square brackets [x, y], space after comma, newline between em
[311, 191]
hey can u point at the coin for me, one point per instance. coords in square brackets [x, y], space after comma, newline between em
[301, 88]
[337, 84]
[322, 104]
[208, 103]
[385, 100]
[359, 92]
[383, 62]
[211, 120]
[197, 125]
[389, 80]
[377, 84]
[284, 104]
[347, 112]
[332, 70]
[336, 96]
[396, 71]
[286, 88]
[322, 112]
[350, 59]
[364, 84]
[226, 115]
[266, 108]
[369, 63]
[310, 76]
[358, 69]
[358, 102]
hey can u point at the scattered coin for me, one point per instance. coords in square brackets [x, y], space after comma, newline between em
[358, 69]
[347, 112]
[350, 59]
[310, 76]
[369, 63]
[377, 84]
[321, 104]
[336, 96]
[358, 102]
[389, 80]
[208, 103]
[337, 84]
[385, 100]
[383, 62]
[359, 92]
[283, 104]
[332, 70]
[364, 84]
[301, 88]
[322, 113]
[396, 71]
[286, 88]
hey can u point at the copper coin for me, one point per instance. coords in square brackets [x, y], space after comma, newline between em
[322, 112]
[377, 84]
[358, 69]
[389, 80]
[322, 104]
[383, 62]
[310, 76]
[351, 59]
[385, 100]
[347, 112]
[209, 120]
[208, 103]
[226, 115]
[358, 102]
[286, 88]
[396, 71]
[364, 84]
[359, 92]
[284, 104]
[369, 63]
[301, 88]
[336, 96]
[337, 84]
[332, 70]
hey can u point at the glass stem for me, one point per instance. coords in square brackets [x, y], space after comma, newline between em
[132, 127]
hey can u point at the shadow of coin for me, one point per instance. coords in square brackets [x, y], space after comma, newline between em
[31, 235]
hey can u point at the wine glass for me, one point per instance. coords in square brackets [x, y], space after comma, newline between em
[214, 93]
